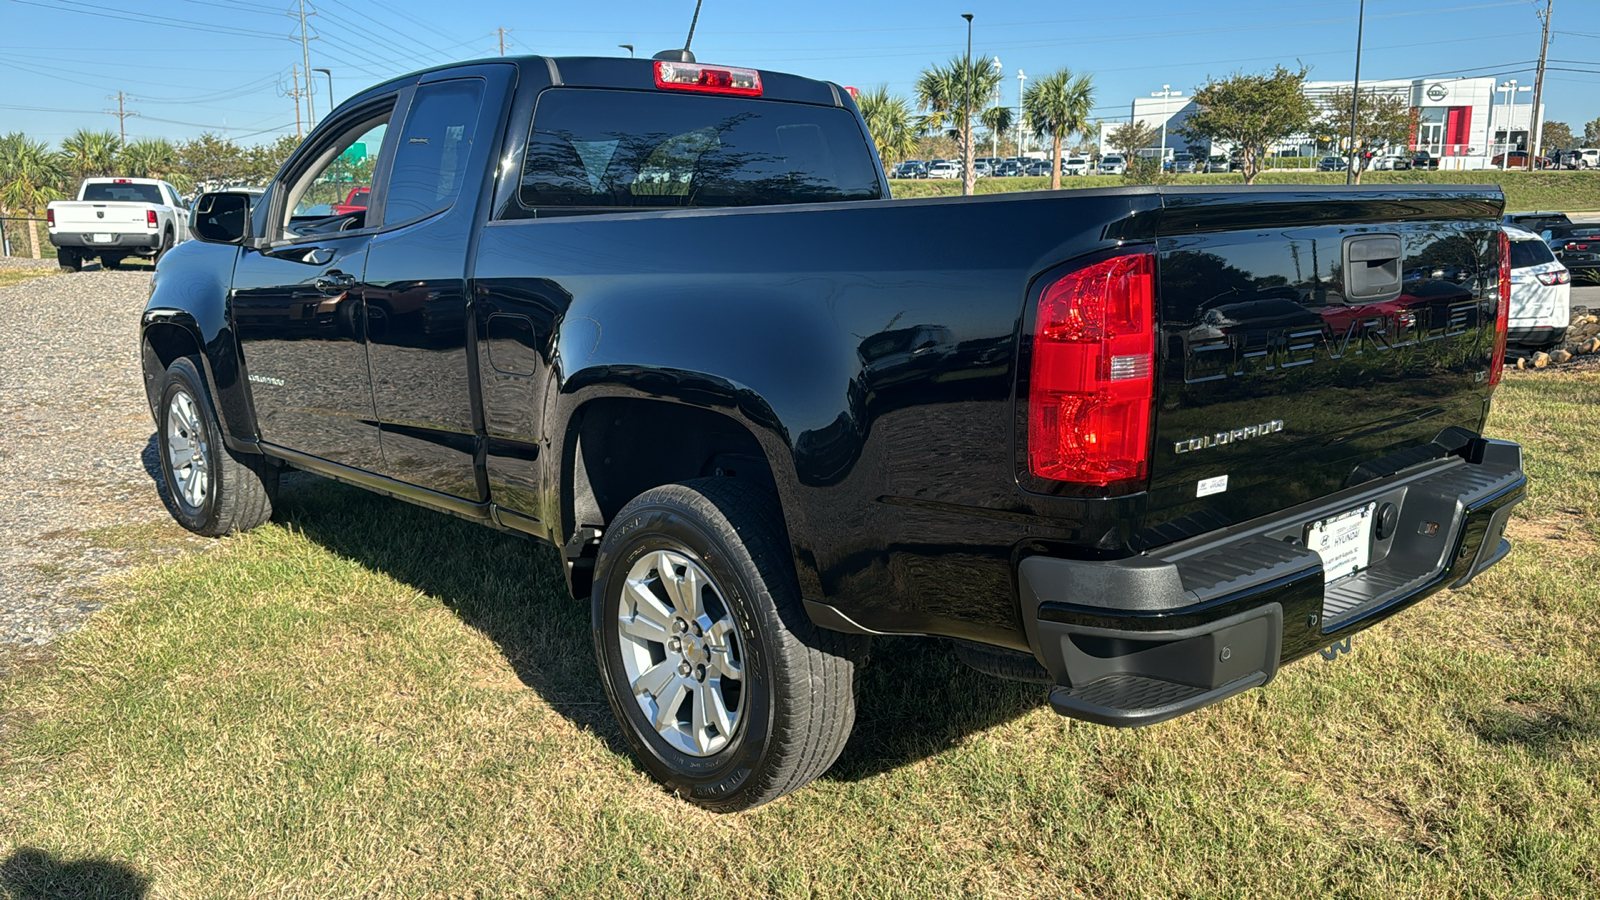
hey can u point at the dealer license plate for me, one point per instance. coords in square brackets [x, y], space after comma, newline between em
[102, 239]
[1344, 542]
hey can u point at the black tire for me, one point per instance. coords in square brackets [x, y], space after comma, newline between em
[166, 244]
[110, 261]
[239, 488]
[69, 261]
[796, 700]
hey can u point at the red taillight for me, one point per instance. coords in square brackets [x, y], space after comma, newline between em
[1554, 278]
[150, 218]
[854, 94]
[1502, 316]
[1092, 381]
[1577, 246]
[680, 76]
[50, 217]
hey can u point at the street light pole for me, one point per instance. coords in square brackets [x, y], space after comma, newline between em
[1022, 80]
[1355, 96]
[1165, 94]
[629, 48]
[328, 73]
[967, 176]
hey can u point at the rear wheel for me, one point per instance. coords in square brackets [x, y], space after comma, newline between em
[69, 261]
[721, 683]
[110, 260]
[166, 244]
[212, 490]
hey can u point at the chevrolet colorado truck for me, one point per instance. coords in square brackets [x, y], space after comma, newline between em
[1144, 444]
[115, 218]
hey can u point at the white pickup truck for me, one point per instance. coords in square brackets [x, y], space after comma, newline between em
[114, 218]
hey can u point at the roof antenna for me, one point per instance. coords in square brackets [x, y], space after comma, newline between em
[683, 55]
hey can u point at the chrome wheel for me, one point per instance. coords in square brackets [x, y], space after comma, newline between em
[682, 653]
[186, 450]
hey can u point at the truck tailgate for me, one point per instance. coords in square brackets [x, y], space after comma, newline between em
[119, 218]
[1328, 342]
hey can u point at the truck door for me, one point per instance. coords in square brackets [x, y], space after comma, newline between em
[419, 319]
[298, 302]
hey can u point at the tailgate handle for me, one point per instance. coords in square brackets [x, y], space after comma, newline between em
[1371, 267]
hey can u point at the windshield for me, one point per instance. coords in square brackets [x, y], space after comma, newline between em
[104, 192]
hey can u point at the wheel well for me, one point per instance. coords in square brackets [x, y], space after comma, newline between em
[619, 448]
[169, 342]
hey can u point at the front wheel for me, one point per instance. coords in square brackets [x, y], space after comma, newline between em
[721, 683]
[212, 490]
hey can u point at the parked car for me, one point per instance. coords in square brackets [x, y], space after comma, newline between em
[943, 168]
[982, 168]
[1519, 159]
[1583, 158]
[1541, 292]
[115, 218]
[1536, 221]
[1181, 163]
[355, 201]
[1391, 162]
[1332, 164]
[1038, 167]
[1422, 159]
[1218, 164]
[1113, 165]
[979, 418]
[1577, 246]
[911, 168]
[1008, 169]
[1076, 165]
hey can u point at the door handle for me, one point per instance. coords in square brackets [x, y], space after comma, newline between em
[335, 282]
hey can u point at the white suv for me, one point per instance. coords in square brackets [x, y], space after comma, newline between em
[1113, 165]
[1541, 292]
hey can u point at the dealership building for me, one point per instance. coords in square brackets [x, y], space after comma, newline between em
[1465, 122]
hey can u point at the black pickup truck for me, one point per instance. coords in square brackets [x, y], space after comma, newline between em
[1143, 444]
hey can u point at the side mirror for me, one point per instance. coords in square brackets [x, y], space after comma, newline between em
[221, 218]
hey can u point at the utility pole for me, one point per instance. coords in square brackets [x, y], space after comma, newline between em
[1022, 81]
[502, 32]
[968, 176]
[122, 114]
[1538, 89]
[296, 94]
[305, 54]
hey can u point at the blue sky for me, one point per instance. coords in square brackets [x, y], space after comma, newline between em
[224, 65]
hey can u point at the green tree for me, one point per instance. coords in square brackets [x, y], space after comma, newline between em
[91, 154]
[1055, 106]
[153, 158]
[998, 120]
[210, 159]
[1251, 112]
[1129, 139]
[889, 121]
[1591, 133]
[950, 94]
[31, 175]
[258, 164]
[1558, 135]
[1383, 121]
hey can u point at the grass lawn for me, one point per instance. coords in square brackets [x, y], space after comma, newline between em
[8, 277]
[1525, 191]
[363, 699]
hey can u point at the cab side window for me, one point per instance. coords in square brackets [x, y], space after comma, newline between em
[430, 160]
[331, 189]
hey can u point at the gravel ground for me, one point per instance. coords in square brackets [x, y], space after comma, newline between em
[77, 452]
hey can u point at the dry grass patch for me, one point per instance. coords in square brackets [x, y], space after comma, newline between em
[366, 700]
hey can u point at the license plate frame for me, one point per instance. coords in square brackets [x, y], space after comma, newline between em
[1344, 541]
[101, 237]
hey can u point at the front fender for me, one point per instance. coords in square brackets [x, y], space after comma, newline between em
[191, 291]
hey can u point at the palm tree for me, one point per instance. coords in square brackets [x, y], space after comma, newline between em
[889, 121]
[947, 92]
[1058, 105]
[30, 177]
[91, 154]
[148, 158]
[998, 119]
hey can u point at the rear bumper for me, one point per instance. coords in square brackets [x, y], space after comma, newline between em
[1536, 335]
[135, 241]
[1141, 640]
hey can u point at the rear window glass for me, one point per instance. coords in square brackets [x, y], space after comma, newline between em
[1530, 253]
[596, 148]
[122, 193]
